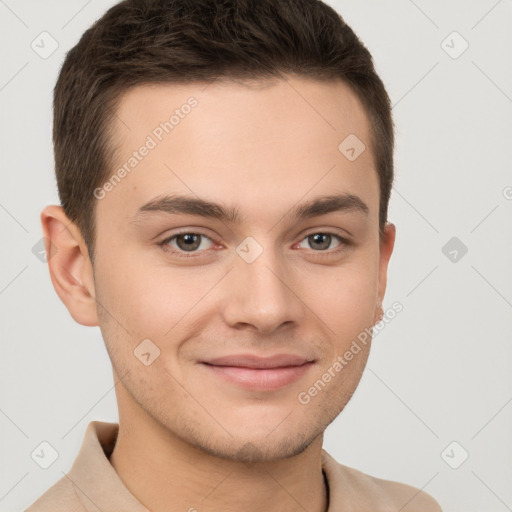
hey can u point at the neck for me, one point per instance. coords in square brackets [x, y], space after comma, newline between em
[165, 473]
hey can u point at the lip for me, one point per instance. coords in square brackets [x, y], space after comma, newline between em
[259, 373]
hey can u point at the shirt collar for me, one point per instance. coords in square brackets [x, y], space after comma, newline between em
[97, 484]
[99, 487]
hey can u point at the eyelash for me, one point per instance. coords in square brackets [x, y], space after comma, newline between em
[183, 254]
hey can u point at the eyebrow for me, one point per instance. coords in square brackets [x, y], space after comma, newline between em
[187, 205]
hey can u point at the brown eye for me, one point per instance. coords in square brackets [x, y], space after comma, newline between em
[187, 242]
[321, 241]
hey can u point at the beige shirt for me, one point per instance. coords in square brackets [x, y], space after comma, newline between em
[92, 484]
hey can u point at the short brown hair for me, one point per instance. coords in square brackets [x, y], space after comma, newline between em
[180, 41]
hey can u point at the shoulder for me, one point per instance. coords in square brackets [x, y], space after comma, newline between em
[371, 493]
[60, 497]
[405, 497]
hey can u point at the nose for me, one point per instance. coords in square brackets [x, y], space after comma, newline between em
[261, 295]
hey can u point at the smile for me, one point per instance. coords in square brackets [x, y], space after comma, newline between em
[259, 373]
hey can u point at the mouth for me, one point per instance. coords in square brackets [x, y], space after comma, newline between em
[259, 373]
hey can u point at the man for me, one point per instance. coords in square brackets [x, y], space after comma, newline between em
[224, 169]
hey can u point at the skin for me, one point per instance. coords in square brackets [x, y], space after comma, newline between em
[188, 438]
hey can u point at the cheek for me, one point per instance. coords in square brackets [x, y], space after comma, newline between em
[344, 298]
[158, 301]
[151, 301]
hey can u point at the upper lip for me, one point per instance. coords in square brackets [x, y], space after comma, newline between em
[262, 362]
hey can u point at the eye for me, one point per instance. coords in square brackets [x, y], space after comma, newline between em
[187, 242]
[322, 241]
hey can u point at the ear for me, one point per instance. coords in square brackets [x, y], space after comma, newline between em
[69, 264]
[386, 248]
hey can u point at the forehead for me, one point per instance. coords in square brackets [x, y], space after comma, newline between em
[269, 143]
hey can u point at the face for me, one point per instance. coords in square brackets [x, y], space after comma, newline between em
[242, 245]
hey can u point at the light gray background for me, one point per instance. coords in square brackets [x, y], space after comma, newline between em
[438, 373]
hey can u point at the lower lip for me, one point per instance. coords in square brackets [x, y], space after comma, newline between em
[267, 379]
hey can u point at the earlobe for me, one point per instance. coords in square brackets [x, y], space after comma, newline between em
[69, 265]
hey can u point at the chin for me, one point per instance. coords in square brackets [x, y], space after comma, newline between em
[253, 453]
[251, 447]
[258, 452]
